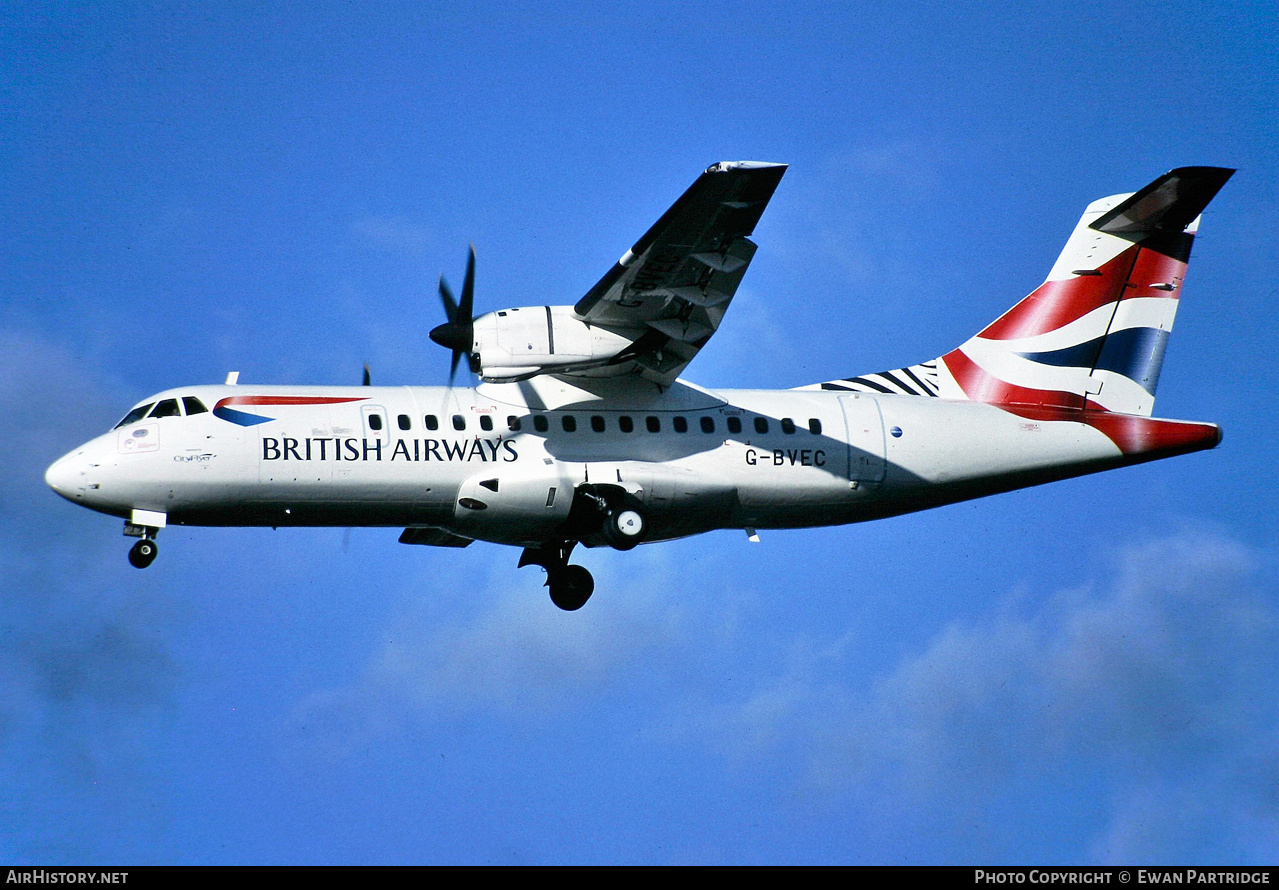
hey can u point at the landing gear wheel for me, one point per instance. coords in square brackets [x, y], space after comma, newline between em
[624, 528]
[571, 587]
[143, 553]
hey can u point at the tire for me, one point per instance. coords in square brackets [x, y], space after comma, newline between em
[143, 553]
[571, 587]
[624, 528]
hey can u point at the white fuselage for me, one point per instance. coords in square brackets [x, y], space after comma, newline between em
[501, 462]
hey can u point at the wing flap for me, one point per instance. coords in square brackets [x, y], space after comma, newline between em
[433, 537]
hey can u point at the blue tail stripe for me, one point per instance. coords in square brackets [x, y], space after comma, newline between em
[1135, 353]
[1081, 355]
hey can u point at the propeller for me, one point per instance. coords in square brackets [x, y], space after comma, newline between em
[367, 379]
[458, 332]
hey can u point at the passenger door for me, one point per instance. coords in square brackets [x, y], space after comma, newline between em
[865, 428]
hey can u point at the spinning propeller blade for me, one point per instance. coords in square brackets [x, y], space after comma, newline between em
[458, 331]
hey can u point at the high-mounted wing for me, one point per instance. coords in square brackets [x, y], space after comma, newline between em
[677, 281]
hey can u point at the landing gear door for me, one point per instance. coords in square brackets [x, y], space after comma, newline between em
[865, 428]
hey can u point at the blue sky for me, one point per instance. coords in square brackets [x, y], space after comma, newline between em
[1082, 672]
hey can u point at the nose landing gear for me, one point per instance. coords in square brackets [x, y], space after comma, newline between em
[143, 553]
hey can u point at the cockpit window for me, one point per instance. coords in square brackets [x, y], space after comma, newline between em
[135, 415]
[193, 405]
[166, 408]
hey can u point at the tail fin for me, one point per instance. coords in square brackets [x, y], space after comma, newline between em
[1093, 335]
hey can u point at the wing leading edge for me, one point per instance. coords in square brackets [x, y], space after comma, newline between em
[676, 282]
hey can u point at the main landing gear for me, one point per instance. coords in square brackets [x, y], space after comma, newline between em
[144, 552]
[609, 514]
[571, 586]
[623, 527]
[600, 514]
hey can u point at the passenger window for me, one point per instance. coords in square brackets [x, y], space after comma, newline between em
[734, 424]
[166, 408]
[486, 422]
[708, 424]
[814, 426]
[459, 422]
[135, 415]
[540, 423]
[569, 422]
[654, 425]
[597, 423]
[761, 424]
[625, 424]
[193, 405]
[432, 422]
[788, 426]
[513, 423]
[375, 422]
[404, 422]
[680, 424]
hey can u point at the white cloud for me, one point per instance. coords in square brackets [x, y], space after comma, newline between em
[397, 234]
[512, 656]
[1134, 720]
[1155, 695]
[85, 667]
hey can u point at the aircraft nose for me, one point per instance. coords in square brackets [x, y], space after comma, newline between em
[66, 475]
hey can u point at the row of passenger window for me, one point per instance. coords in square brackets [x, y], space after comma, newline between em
[625, 423]
[164, 408]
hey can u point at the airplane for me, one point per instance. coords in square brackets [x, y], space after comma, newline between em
[581, 429]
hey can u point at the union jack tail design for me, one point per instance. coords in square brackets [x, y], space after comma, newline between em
[1092, 336]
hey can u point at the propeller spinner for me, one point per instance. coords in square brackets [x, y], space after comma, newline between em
[458, 332]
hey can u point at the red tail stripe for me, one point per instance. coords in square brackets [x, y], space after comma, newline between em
[1141, 435]
[1130, 433]
[1151, 268]
[1055, 304]
[981, 386]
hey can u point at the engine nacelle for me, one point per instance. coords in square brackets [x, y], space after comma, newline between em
[515, 344]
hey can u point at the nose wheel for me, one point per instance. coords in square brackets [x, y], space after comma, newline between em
[143, 553]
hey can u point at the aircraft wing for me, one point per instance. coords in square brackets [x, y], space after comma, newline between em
[675, 284]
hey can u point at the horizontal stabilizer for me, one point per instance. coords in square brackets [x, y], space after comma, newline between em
[1169, 204]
